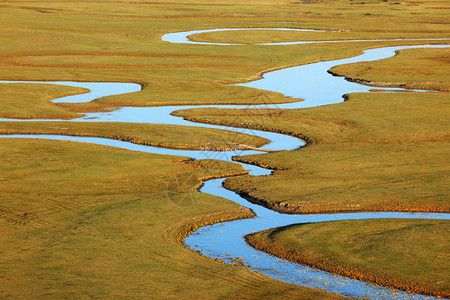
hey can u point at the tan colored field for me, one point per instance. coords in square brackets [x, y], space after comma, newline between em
[374, 152]
[271, 36]
[32, 101]
[97, 41]
[28, 101]
[157, 135]
[414, 68]
[80, 221]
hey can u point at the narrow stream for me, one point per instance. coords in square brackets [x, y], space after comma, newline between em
[225, 240]
[185, 37]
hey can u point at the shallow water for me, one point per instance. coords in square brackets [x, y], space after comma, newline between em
[225, 240]
[184, 37]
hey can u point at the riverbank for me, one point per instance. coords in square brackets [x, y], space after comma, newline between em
[374, 152]
[82, 220]
[403, 254]
[353, 151]
[429, 71]
[72, 202]
[155, 135]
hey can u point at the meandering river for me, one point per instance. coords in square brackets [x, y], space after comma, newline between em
[225, 240]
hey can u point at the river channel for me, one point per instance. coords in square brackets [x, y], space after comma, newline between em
[225, 240]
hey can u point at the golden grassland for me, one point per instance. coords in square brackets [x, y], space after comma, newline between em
[32, 101]
[389, 252]
[120, 41]
[29, 101]
[414, 69]
[374, 152]
[273, 36]
[156, 135]
[80, 220]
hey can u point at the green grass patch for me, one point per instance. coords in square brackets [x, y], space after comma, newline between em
[405, 254]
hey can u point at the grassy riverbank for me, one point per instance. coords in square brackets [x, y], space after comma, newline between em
[80, 220]
[104, 41]
[374, 152]
[429, 70]
[270, 36]
[406, 254]
[157, 135]
[86, 221]
[33, 101]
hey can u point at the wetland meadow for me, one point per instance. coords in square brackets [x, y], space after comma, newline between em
[224, 149]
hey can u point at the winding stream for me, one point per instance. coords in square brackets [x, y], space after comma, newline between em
[185, 37]
[225, 240]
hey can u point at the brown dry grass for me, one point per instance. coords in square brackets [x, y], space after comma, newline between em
[80, 220]
[405, 254]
